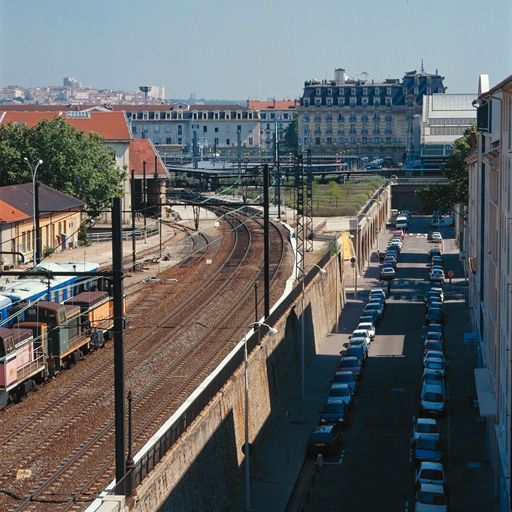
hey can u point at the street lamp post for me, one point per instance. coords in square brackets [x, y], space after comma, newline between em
[302, 328]
[272, 331]
[35, 210]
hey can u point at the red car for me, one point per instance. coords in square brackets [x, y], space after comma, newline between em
[400, 233]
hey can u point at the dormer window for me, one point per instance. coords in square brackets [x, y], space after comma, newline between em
[329, 91]
[306, 102]
[377, 91]
[388, 91]
[353, 91]
[365, 91]
[318, 91]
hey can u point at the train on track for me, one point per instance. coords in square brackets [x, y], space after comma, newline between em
[29, 288]
[45, 330]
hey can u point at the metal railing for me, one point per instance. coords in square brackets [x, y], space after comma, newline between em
[127, 235]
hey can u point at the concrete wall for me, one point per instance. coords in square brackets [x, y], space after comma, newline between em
[204, 470]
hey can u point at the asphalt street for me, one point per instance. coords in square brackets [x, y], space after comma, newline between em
[375, 468]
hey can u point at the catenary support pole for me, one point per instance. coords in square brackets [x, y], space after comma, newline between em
[119, 396]
[37, 223]
[134, 243]
[266, 241]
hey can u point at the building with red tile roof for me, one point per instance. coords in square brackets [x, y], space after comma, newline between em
[60, 219]
[9, 213]
[112, 126]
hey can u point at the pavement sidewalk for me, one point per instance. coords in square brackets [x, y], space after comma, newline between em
[280, 460]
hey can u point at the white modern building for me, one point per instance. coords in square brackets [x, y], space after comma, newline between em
[445, 118]
[488, 248]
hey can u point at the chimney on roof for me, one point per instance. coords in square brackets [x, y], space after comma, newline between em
[340, 76]
[273, 102]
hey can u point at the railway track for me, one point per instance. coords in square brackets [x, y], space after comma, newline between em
[162, 337]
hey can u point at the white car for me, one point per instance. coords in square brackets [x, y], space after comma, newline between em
[430, 498]
[367, 326]
[377, 292]
[436, 276]
[433, 399]
[430, 473]
[425, 426]
[436, 237]
[435, 365]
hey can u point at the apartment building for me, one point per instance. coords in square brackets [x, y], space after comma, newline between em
[488, 247]
[363, 118]
[211, 126]
[275, 118]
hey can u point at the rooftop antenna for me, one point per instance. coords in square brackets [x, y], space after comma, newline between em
[422, 68]
[145, 89]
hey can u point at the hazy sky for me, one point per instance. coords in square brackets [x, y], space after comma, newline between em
[240, 49]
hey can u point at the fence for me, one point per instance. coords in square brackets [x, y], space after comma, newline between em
[127, 234]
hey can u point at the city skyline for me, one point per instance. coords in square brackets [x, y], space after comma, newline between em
[225, 50]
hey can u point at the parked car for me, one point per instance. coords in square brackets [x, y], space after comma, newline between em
[377, 292]
[435, 365]
[348, 378]
[366, 318]
[334, 411]
[357, 351]
[434, 316]
[433, 335]
[437, 237]
[428, 447]
[433, 376]
[435, 327]
[357, 341]
[430, 473]
[325, 439]
[368, 327]
[435, 251]
[436, 260]
[387, 273]
[398, 232]
[425, 426]
[343, 391]
[436, 275]
[433, 399]
[434, 354]
[375, 306]
[350, 364]
[430, 498]
[362, 333]
[430, 345]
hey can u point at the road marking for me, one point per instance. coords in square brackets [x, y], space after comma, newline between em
[342, 456]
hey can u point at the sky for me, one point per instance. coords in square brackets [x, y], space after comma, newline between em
[240, 49]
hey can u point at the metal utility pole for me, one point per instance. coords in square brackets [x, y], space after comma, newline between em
[299, 217]
[119, 396]
[157, 191]
[239, 150]
[278, 181]
[266, 241]
[134, 244]
[194, 149]
[308, 213]
[37, 223]
[144, 195]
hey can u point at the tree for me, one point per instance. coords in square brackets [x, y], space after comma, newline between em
[334, 191]
[445, 197]
[77, 164]
[291, 135]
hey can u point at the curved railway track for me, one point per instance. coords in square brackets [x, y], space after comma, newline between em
[194, 350]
